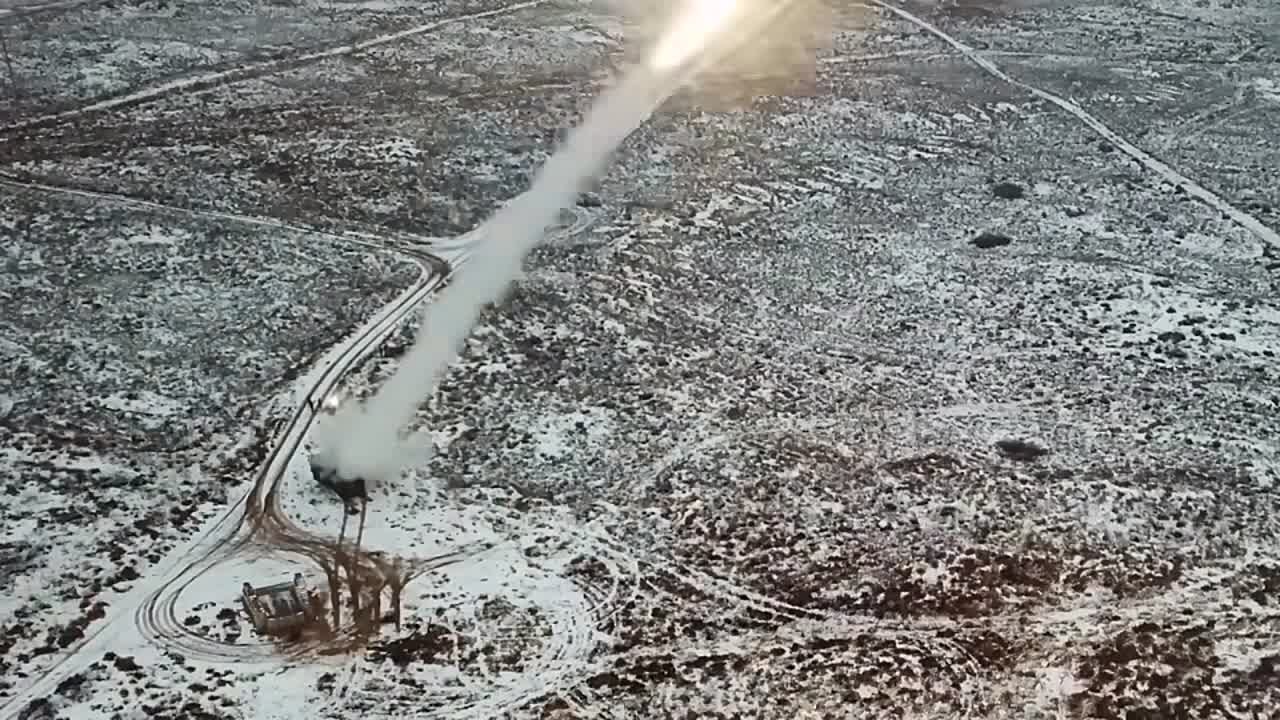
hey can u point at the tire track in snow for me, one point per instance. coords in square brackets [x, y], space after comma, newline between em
[567, 634]
[21, 10]
[562, 657]
[369, 238]
[939, 640]
[220, 533]
[575, 619]
[1154, 166]
[156, 618]
[577, 631]
[205, 82]
[718, 588]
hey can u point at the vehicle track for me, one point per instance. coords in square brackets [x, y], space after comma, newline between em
[404, 245]
[556, 652]
[156, 614]
[1151, 164]
[209, 81]
[258, 502]
[225, 534]
[29, 9]
[258, 511]
[263, 522]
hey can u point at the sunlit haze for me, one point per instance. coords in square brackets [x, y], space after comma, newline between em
[692, 31]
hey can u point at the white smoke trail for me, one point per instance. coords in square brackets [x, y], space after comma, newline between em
[365, 440]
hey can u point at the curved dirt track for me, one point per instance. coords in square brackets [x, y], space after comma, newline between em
[262, 528]
[222, 537]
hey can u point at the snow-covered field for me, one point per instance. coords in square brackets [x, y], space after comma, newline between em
[942, 386]
[145, 351]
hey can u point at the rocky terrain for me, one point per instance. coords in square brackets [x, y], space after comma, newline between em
[926, 389]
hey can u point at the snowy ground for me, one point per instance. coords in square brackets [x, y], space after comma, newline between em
[145, 352]
[915, 393]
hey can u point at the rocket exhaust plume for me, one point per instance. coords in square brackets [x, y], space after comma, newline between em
[366, 440]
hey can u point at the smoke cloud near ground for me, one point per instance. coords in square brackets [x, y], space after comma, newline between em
[367, 440]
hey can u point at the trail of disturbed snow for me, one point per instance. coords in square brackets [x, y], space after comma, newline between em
[205, 82]
[222, 528]
[1151, 164]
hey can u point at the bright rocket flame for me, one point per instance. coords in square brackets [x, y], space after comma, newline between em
[692, 31]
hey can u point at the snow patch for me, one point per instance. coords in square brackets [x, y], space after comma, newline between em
[561, 435]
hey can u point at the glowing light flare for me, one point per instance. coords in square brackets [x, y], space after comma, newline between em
[698, 25]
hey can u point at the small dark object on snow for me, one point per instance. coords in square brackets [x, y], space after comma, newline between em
[1020, 450]
[1008, 191]
[277, 609]
[424, 646]
[988, 240]
[126, 663]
